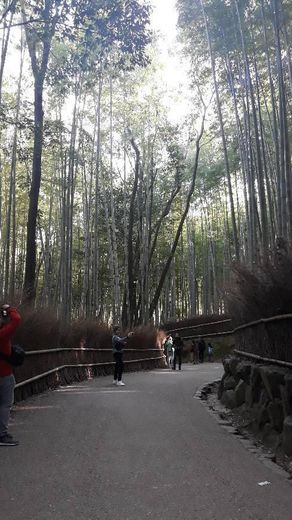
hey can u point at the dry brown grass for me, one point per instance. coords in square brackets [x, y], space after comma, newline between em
[87, 333]
[195, 321]
[263, 292]
[41, 329]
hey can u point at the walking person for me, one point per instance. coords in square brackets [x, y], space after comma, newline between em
[201, 349]
[118, 344]
[194, 348]
[178, 350]
[169, 350]
[9, 321]
[210, 352]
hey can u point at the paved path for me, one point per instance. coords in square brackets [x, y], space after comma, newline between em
[147, 451]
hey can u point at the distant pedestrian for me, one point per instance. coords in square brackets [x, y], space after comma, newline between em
[118, 344]
[210, 352]
[194, 348]
[9, 321]
[201, 349]
[178, 350]
[168, 347]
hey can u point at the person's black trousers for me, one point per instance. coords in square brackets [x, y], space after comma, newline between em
[177, 359]
[119, 366]
[201, 357]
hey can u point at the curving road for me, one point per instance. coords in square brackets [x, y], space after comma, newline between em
[147, 451]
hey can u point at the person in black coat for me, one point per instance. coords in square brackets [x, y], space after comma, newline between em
[201, 349]
[118, 344]
[178, 350]
[194, 350]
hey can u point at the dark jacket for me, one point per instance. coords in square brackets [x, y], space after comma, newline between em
[118, 343]
[202, 346]
[178, 344]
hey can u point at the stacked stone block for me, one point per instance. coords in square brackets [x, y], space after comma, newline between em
[265, 391]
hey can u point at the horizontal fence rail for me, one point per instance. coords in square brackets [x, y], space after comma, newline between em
[47, 369]
[87, 349]
[210, 335]
[250, 324]
[40, 361]
[268, 339]
[200, 325]
[80, 349]
[264, 360]
[86, 365]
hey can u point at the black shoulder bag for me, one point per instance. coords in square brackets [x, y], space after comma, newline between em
[16, 358]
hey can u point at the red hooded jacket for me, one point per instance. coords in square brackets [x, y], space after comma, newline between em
[6, 331]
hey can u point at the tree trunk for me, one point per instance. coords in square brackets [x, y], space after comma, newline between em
[160, 284]
[10, 221]
[131, 280]
[224, 145]
[30, 264]
[39, 69]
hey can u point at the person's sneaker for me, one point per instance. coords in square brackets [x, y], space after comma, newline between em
[114, 382]
[7, 440]
[120, 383]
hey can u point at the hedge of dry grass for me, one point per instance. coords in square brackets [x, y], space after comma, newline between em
[195, 321]
[41, 330]
[261, 292]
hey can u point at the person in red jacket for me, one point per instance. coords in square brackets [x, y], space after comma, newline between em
[9, 321]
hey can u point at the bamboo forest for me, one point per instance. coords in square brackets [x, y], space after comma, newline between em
[145, 150]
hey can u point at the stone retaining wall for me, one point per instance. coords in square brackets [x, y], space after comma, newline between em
[265, 393]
